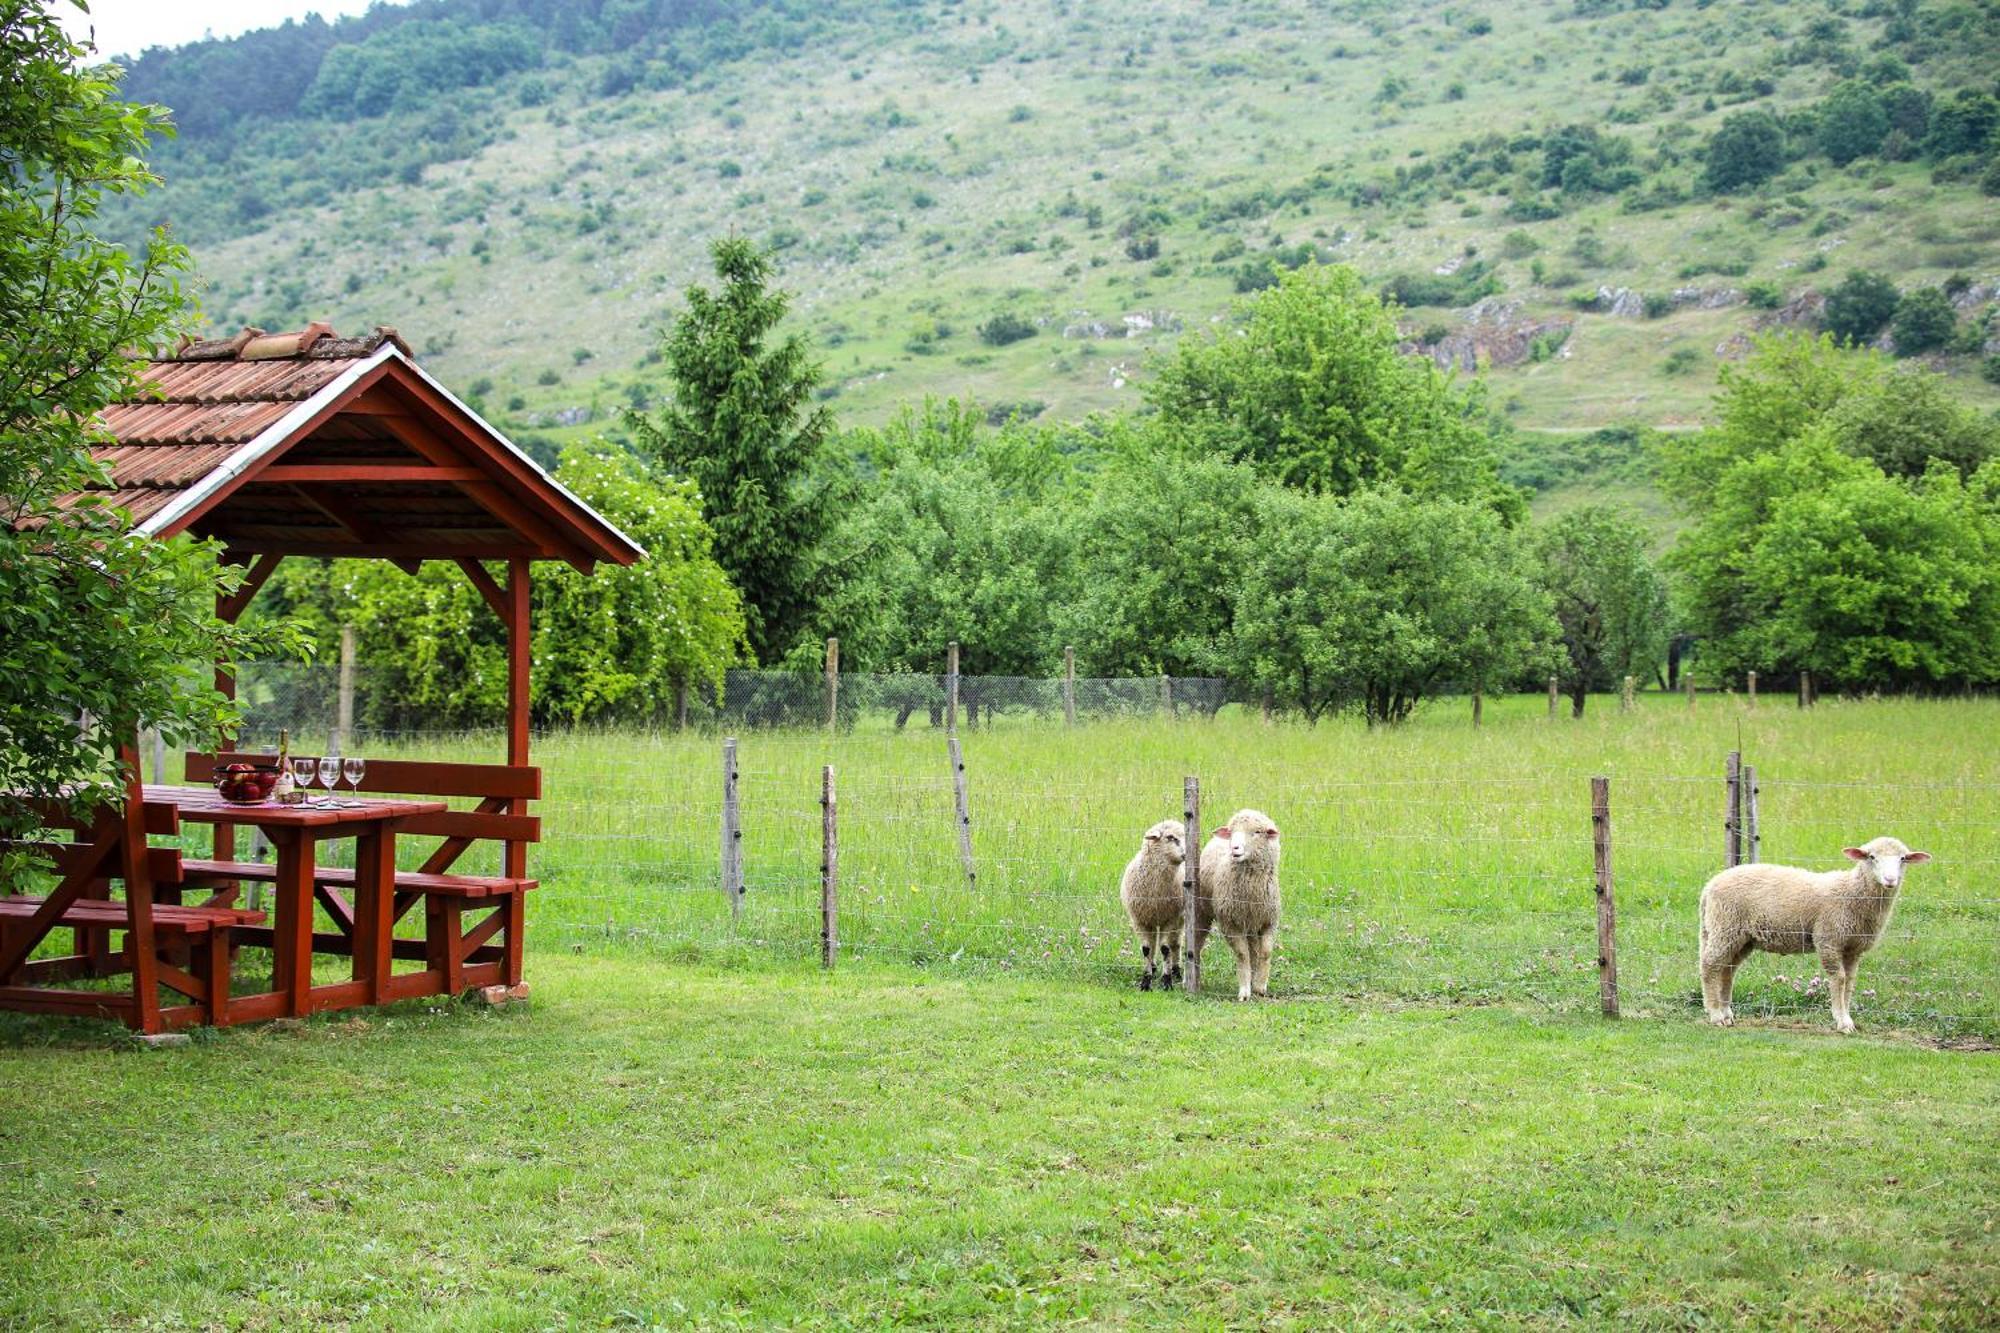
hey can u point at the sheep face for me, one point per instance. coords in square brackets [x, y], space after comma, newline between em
[1168, 839]
[1885, 859]
[1251, 836]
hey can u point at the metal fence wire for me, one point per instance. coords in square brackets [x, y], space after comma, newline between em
[1451, 881]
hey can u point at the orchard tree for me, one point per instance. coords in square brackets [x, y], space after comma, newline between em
[742, 426]
[105, 629]
[1380, 600]
[1310, 389]
[1609, 600]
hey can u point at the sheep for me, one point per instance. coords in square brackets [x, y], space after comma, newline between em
[1838, 914]
[1151, 892]
[1238, 895]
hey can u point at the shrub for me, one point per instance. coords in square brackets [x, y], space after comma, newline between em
[1857, 309]
[1924, 320]
[1518, 244]
[1681, 361]
[549, 377]
[1747, 150]
[1143, 247]
[1657, 304]
[1006, 328]
[728, 170]
[1990, 368]
[1763, 295]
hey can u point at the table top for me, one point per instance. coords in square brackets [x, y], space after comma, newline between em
[204, 805]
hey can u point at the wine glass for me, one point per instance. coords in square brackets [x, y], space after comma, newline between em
[329, 772]
[352, 768]
[302, 774]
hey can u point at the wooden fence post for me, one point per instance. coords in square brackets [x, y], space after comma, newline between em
[963, 808]
[1750, 686]
[156, 745]
[680, 705]
[344, 709]
[1191, 843]
[1805, 689]
[1687, 685]
[1167, 695]
[951, 688]
[829, 873]
[732, 833]
[1553, 696]
[1751, 836]
[1069, 686]
[1607, 907]
[832, 685]
[1732, 809]
[1478, 704]
[1267, 705]
[1627, 695]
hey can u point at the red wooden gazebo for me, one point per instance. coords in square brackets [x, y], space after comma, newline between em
[311, 444]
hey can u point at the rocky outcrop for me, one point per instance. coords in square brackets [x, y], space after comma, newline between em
[1137, 324]
[1493, 333]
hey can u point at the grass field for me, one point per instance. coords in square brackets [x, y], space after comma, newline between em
[1430, 862]
[656, 1145]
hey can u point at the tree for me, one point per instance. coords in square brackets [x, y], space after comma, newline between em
[1909, 421]
[1610, 602]
[611, 646]
[1310, 390]
[105, 630]
[1747, 149]
[1965, 124]
[1857, 309]
[1852, 123]
[741, 427]
[1923, 320]
[1379, 600]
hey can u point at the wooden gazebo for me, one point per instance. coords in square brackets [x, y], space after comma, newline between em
[311, 444]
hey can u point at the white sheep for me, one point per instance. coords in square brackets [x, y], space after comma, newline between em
[1838, 914]
[1238, 895]
[1151, 892]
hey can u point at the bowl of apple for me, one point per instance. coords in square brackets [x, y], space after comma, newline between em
[246, 784]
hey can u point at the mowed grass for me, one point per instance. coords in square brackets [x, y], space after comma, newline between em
[699, 1146]
[1432, 861]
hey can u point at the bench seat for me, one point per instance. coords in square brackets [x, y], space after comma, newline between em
[471, 887]
[98, 913]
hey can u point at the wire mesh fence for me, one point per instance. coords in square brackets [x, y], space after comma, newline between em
[1434, 866]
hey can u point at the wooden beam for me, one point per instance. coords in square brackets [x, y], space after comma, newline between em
[518, 664]
[234, 604]
[294, 474]
[366, 533]
[487, 492]
[487, 586]
[479, 550]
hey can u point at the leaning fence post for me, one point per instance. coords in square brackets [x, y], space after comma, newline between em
[1478, 704]
[1069, 686]
[1732, 809]
[1750, 686]
[829, 873]
[951, 688]
[1625, 698]
[963, 808]
[832, 684]
[1552, 698]
[732, 833]
[1607, 907]
[1687, 685]
[1751, 836]
[1190, 881]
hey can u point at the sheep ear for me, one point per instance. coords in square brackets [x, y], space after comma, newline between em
[1270, 832]
[1917, 858]
[1222, 832]
[1152, 837]
[1854, 853]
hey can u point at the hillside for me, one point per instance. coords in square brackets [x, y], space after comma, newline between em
[525, 204]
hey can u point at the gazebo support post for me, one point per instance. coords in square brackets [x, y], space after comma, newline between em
[519, 662]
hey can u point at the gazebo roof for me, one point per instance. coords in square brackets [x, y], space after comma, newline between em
[312, 444]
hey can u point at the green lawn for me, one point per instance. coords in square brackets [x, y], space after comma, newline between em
[655, 1144]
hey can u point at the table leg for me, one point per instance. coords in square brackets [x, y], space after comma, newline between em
[374, 909]
[291, 937]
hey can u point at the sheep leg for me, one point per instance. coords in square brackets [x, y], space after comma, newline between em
[1835, 965]
[1260, 975]
[1170, 956]
[1146, 952]
[1246, 963]
[1853, 960]
[1718, 982]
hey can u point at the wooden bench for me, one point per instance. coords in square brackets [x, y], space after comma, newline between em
[486, 951]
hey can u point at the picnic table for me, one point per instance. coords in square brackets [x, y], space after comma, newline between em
[366, 921]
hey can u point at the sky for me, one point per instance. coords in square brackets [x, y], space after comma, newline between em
[127, 27]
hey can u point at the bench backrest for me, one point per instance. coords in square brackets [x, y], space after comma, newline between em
[162, 817]
[501, 789]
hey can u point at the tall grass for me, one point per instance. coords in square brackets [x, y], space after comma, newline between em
[1427, 861]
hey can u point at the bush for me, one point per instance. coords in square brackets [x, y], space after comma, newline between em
[1518, 244]
[1924, 320]
[1143, 247]
[1747, 150]
[1990, 368]
[1006, 328]
[1658, 304]
[549, 377]
[1681, 361]
[1763, 295]
[1857, 309]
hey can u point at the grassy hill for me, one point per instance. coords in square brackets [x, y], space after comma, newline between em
[1110, 180]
